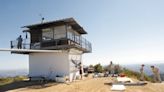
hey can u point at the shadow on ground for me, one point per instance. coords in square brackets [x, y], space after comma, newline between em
[26, 84]
[108, 83]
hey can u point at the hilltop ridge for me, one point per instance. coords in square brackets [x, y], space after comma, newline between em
[87, 85]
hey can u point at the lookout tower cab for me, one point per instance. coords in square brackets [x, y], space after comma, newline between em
[63, 36]
[56, 35]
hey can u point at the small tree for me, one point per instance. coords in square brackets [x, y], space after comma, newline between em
[98, 68]
[91, 66]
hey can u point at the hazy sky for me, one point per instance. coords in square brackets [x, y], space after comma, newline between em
[122, 31]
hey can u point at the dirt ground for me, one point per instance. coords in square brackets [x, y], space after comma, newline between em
[86, 85]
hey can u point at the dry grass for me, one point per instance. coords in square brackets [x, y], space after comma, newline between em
[88, 85]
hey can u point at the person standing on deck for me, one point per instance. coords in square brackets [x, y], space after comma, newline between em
[156, 73]
[20, 40]
[142, 72]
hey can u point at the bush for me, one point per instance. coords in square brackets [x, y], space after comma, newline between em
[7, 80]
[98, 68]
[135, 74]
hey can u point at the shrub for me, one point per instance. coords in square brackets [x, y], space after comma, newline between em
[98, 68]
[135, 74]
[7, 80]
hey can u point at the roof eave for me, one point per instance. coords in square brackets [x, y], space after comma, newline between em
[69, 21]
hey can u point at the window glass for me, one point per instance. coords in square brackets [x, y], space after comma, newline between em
[70, 35]
[47, 34]
[73, 35]
[59, 32]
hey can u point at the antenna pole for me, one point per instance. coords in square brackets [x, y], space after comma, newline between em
[42, 18]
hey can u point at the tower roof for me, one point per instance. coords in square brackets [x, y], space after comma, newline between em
[66, 21]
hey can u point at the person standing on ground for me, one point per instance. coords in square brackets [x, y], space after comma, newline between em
[142, 72]
[111, 68]
[117, 69]
[81, 70]
[20, 40]
[156, 73]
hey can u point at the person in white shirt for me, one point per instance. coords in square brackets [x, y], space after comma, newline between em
[142, 72]
[156, 73]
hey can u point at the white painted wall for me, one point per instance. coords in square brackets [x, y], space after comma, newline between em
[75, 55]
[48, 64]
[51, 64]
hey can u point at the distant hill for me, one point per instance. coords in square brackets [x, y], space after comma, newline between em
[147, 69]
[13, 73]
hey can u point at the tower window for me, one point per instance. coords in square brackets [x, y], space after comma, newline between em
[47, 34]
